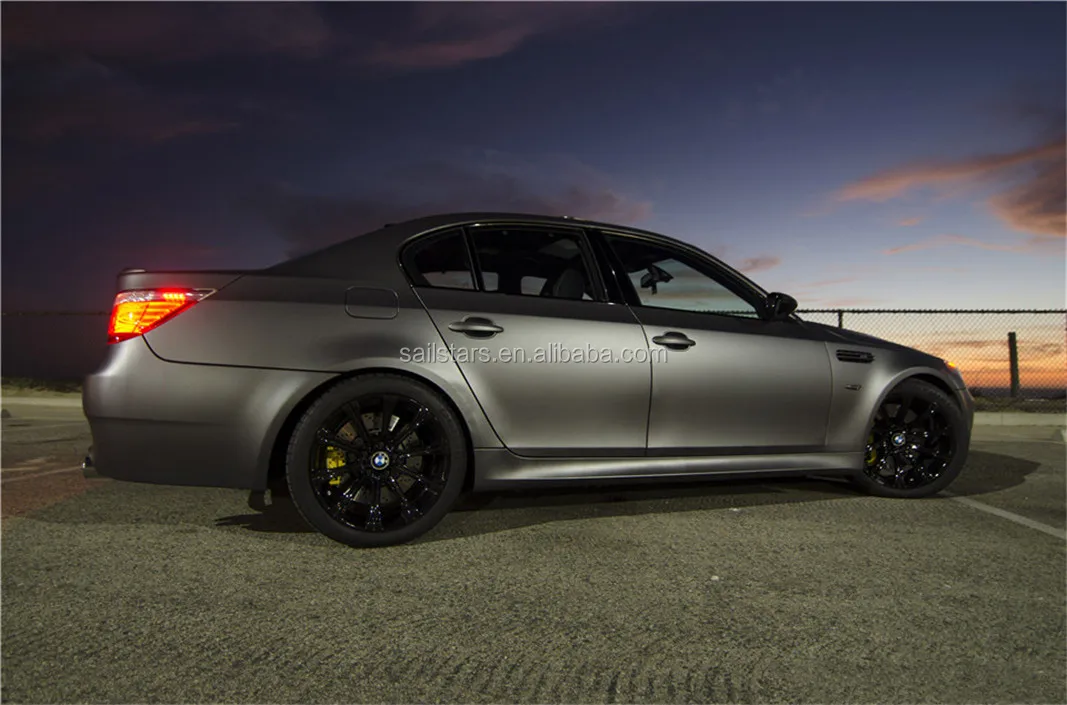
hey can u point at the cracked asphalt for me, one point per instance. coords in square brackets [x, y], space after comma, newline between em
[792, 591]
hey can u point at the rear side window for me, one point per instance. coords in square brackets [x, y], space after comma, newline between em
[440, 261]
[532, 262]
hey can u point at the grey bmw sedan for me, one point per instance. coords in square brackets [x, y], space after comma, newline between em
[385, 375]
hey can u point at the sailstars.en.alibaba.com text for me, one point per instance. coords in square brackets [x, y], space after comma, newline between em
[553, 353]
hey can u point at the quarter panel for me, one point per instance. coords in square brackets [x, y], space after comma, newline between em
[294, 323]
[155, 421]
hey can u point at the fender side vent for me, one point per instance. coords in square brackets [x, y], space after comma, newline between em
[855, 356]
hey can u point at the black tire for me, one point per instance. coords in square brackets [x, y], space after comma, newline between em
[917, 454]
[333, 483]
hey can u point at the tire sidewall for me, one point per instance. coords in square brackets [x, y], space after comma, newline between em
[297, 468]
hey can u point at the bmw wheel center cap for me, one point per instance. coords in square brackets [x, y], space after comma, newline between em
[380, 460]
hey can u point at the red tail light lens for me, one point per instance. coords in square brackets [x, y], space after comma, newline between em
[138, 311]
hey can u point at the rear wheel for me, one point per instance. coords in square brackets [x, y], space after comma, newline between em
[916, 445]
[376, 461]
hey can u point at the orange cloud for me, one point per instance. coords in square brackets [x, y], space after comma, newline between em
[945, 240]
[895, 182]
[759, 263]
[909, 222]
[1035, 204]
[829, 282]
[1038, 205]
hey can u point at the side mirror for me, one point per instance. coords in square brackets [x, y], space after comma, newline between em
[778, 306]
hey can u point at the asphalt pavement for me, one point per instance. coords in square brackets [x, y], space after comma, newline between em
[792, 591]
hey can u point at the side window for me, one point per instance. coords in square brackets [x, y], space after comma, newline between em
[666, 278]
[532, 262]
[440, 261]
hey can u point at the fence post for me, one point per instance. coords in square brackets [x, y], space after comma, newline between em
[840, 319]
[1013, 363]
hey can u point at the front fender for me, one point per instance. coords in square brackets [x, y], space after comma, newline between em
[859, 389]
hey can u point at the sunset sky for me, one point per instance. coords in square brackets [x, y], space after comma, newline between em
[851, 154]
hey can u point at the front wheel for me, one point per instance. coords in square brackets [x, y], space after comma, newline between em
[916, 445]
[376, 461]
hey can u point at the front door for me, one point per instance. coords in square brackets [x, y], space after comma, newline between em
[730, 382]
[558, 370]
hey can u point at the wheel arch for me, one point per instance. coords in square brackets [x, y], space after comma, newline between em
[922, 374]
[274, 472]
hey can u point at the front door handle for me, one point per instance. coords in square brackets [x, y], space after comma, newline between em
[476, 327]
[674, 340]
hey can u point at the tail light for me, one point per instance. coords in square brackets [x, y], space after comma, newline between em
[138, 311]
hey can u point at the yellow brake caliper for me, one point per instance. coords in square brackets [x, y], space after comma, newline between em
[335, 458]
[872, 452]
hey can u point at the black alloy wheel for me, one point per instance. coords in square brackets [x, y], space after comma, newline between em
[917, 443]
[377, 460]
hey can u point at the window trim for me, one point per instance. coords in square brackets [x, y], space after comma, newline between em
[579, 234]
[717, 271]
[407, 265]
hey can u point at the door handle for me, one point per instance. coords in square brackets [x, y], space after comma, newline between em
[674, 340]
[476, 327]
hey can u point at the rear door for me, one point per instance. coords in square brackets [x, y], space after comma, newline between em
[521, 309]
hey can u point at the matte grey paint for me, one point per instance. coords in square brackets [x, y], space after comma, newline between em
[504, 469]
[188, 424]
[744, 382]
[367, 302]
[204, 398]
[538, 406]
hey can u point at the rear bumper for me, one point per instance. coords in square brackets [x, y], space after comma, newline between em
[184, 424]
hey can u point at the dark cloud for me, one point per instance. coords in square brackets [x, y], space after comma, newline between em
[82, 97]
[447, 34]
[409, 36]
[164, 32]
[308, 221]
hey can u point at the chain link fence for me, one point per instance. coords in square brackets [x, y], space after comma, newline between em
[68, 345]
[1010, 359]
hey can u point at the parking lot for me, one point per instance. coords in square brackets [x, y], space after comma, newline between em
[792, 591]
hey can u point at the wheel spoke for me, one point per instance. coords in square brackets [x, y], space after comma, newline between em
[388, 407]
[902, 410]
[355, 417]
[374, 510]
[427, 484]
[408, 511]
[326, 437]
[421, 416]
[431, 450]
[320, 474]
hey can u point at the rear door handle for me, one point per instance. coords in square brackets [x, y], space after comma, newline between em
[674, 340]
[476, 327]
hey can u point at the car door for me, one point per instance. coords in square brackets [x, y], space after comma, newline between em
[558, 370]
[725, 381]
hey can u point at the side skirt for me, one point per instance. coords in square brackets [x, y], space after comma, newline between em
[498, 468]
